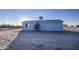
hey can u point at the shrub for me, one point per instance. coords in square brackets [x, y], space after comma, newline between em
[77, 25]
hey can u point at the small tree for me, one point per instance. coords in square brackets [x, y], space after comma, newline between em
[37, 26]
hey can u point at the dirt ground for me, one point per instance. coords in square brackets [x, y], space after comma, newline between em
[7, 36]
[15, 39]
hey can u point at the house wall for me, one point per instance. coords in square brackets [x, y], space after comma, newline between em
[51, 26]
[58, 26]
[30, 26]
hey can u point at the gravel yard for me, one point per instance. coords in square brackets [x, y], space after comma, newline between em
[15, 39]
[29, 40]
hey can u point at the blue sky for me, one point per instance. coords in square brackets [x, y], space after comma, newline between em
[11, 16]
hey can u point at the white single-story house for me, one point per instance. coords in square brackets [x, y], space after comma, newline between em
[43, 25]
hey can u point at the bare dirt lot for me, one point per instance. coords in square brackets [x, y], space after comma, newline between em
[7, 36]
[15, 39]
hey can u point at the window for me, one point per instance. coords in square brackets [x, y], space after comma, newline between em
[26, 25]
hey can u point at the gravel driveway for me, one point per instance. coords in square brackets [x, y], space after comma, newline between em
[29, 40]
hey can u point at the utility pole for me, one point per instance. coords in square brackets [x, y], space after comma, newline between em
[3, 21]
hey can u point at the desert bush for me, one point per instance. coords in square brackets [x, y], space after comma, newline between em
[65, 25]
[72, 26]
[9, 26]
[77, 25]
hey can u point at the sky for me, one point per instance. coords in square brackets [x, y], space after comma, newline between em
[14, 16]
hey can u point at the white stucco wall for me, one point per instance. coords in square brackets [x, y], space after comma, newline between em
[57, 26]
[30, 26]
[51, 27]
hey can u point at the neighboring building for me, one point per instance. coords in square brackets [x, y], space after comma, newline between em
[43, 25]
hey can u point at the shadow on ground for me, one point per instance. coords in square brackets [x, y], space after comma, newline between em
[30, 40]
